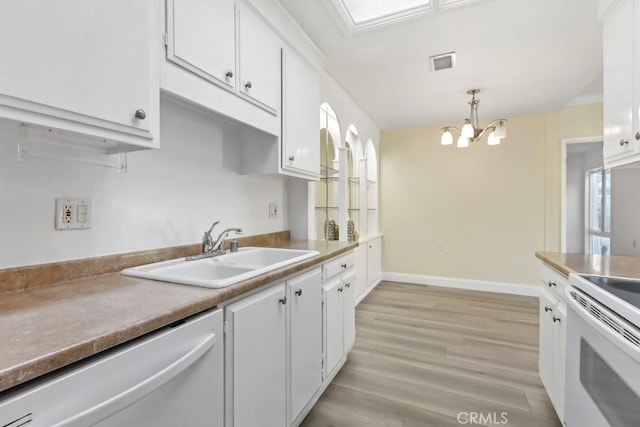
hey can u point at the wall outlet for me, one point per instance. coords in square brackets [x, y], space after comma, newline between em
[73, 213]
[441, 247]
[273, 210]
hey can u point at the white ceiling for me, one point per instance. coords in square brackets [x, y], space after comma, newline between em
[526, 56]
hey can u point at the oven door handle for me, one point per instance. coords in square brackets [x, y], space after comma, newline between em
[603, 327]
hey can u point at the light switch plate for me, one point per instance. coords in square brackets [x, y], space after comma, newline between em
[73, 213]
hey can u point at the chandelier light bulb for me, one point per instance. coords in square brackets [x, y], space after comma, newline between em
[467, 129]
[493, 139]
[501, 130]
[447, 138]
[463, 142]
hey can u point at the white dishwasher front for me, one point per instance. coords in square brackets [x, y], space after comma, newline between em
[171, 377]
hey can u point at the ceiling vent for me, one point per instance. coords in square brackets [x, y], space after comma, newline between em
[443, 61]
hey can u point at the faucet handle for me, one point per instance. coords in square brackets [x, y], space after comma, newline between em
[212, 226]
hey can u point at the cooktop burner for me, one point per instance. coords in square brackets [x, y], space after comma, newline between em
[625, 289]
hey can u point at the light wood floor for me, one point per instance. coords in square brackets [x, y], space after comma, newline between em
[423, 355]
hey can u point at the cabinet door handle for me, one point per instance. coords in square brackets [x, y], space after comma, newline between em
[291, 158]
[140, 114]
[299, 292]
[344, 266]
[229, 74]
[556, 319]
[283, 300]
[547, 308]
[637, 136]
[552, 284]
[623, 142]
[248, 85]
[340, 289]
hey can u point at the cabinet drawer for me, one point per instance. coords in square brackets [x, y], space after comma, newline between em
[554, 281]
[336, 266]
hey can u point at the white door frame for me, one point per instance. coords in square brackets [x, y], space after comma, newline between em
[564, 142]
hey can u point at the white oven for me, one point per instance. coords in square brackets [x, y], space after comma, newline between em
[603, 352]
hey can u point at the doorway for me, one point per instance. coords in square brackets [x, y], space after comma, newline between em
[583, 204]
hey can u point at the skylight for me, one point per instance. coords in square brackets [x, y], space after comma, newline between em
[366, 14]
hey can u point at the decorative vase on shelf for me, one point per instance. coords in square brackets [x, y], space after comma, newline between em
[330, 228]
[351, 230]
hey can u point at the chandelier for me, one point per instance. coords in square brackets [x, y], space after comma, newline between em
[471, 132]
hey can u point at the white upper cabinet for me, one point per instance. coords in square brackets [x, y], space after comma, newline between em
[86, 67]
[202, 38]
[301, 100]
[221, 56]
[621, 50]
[259, 61]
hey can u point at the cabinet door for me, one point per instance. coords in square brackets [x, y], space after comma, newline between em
[333, 324]
[618, 84]
[360, 255]
[201, 38]
[374, 261]
[259, 62]
[547, 341]
[81, 61]
[258, 359]
[300, 104]
[349, 309]
[306, 338]
[560, 338]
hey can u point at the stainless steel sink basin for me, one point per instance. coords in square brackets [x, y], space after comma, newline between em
[223, 270]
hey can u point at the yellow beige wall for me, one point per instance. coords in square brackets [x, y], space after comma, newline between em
[491, 207]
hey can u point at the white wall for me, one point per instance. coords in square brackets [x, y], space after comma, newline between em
[478, 213]
[168, 197]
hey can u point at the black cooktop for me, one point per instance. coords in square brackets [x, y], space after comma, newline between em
[625, 289]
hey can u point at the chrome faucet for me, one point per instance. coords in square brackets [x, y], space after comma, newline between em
[207, 240]
[218, 246]
[211, 248]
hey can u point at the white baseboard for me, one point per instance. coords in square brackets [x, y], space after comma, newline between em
[367, 291]
[476, 285]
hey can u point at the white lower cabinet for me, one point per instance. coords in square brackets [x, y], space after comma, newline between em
[255, 371]
[553, 333]
[272, 336]
[360, 265]
[368, 267]
[339, 314]
[275, 341]
[334, 324]
[374, 261]
[306, 339]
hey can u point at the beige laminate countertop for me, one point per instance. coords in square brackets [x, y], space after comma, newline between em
[44, 328]
[604, 265]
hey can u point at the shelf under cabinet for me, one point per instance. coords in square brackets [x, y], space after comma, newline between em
[356, 180]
